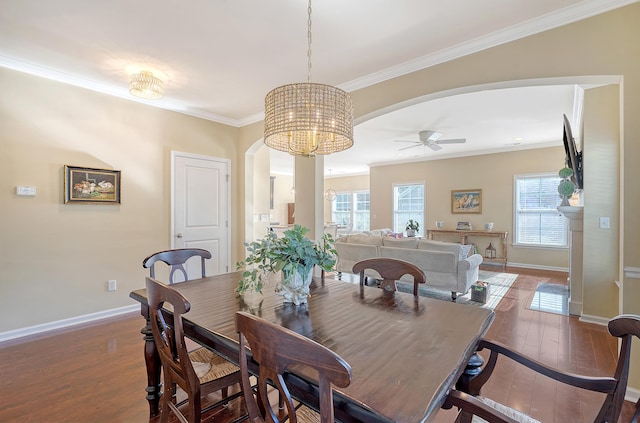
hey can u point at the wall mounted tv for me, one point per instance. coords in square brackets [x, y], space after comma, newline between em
[573, 158]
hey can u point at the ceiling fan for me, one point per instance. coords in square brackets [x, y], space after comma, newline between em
[432, 140]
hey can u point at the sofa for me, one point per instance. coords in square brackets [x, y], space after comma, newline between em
[447, 266]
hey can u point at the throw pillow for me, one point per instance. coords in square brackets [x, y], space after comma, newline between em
[464, 251]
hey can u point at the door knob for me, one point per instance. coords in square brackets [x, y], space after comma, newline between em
[179, 236]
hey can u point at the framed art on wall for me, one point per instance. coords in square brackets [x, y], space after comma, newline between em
[466, 201]
[89, 185]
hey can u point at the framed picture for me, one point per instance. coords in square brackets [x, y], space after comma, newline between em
[88, 185]
[466, 201]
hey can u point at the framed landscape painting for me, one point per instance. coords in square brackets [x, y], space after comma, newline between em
[466, 201]
[88, 185]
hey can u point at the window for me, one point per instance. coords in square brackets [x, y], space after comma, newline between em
[351, 209]
[537, 220]
[408, 203]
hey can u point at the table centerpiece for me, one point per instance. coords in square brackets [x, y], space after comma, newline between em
[292, 254]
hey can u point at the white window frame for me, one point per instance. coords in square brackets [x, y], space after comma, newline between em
[515, 238]
[399, 226]
[352, 211]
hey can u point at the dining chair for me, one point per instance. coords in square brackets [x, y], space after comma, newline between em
[390, 270]
[276, 349]
[176, 259]
[198, 372]
[624, 327]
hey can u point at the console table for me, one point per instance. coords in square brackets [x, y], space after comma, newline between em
[463, 235]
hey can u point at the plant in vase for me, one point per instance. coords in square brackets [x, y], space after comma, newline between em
[412, 227]
[566, 187]
[294, 255]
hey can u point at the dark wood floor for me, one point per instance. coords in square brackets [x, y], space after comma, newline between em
[95, 373]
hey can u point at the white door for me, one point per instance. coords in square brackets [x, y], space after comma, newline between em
[201, 201]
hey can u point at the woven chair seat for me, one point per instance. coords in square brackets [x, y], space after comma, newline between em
[307, 415]
[516, 415]
[218, 366]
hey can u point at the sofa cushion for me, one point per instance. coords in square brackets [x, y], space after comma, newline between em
[400, 242]
[429, 261]
[364, 239]
[378, 232]
[450, 247]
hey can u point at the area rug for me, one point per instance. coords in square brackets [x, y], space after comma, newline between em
[499, 284]
[552, 298]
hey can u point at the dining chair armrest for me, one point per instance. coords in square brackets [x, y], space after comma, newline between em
[470, 404]
[599, 384]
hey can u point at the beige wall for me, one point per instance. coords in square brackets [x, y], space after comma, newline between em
[493, 173]
[601, 198]
[57, 258]
[282, 197]
[262, 185]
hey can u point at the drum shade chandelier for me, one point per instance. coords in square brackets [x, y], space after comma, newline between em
[146, 85]
[307, 119]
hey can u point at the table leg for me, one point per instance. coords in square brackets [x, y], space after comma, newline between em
[152, 361]
[473, 369]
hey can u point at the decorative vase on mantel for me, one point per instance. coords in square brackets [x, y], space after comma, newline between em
[566, 187]
[294, 287]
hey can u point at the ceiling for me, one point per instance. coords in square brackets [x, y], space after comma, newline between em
[221, 57]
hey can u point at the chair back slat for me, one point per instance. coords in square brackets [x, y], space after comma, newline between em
[390, 270]
[276, 349]
[168, 336]
[176, 260]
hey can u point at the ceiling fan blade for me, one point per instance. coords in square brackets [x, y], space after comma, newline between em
[452, 141]
[411, 146]
[434, 146]
[415, 142]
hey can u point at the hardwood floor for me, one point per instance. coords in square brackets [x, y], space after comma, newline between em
[95, 373]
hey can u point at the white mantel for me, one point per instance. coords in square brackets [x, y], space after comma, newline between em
[575, 214]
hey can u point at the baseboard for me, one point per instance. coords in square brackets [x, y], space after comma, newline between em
[537, 267]
[632, 394]
[59, 324]
[587, 318]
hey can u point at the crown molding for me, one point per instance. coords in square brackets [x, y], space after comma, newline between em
[534, 26]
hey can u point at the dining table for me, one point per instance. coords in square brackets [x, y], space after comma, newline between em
[406, 352]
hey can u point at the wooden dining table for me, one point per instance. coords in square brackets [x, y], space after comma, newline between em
[405, 352]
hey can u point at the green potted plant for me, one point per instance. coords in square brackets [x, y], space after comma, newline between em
[412, 227]
[294, 255]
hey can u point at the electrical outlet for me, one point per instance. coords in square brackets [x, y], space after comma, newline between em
[111, 285]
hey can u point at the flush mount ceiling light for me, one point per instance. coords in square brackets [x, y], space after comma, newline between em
[307, 119]
[145, 85]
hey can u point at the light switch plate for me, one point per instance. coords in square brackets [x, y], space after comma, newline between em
[605, 223]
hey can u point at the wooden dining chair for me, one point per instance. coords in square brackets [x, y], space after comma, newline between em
[198, 372]
[624, 327]
[176, 259]
[276, 349]
[390, 270]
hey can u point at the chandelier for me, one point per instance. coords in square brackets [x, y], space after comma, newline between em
[307, 119]
[146, 85]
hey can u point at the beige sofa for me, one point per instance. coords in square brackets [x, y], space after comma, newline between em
[448, 266]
